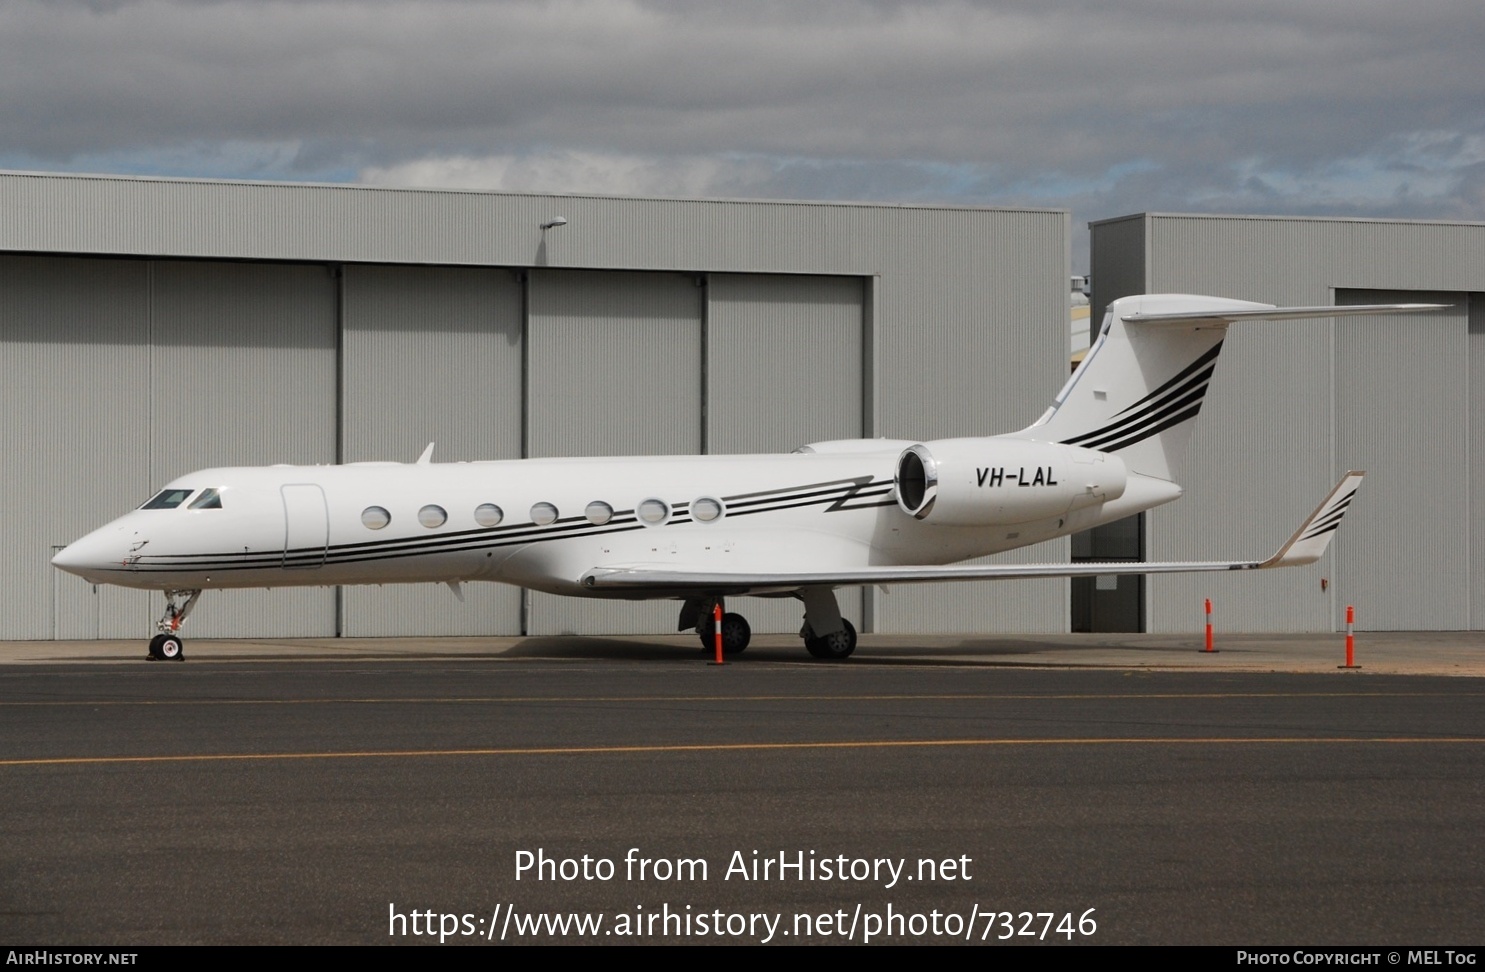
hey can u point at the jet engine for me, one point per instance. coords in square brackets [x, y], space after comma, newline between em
[988, 481]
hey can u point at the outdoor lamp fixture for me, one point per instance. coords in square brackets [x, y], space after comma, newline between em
[554, 221]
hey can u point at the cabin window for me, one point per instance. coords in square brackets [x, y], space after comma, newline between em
[599, 512]
[488, 515]
[543, 514]
[374, 518]
[210, 499]
[167, 499]
[432, 516]
[706, 509]
[653, 511]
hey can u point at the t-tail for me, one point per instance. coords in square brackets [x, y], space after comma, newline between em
[1142, 383]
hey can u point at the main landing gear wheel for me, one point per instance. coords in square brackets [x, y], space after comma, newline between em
[832, 647]
[736, 633]
[167, 647]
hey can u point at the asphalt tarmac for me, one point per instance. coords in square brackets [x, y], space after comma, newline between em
[1090, 790]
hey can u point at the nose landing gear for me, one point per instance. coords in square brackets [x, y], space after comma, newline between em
[166, 646]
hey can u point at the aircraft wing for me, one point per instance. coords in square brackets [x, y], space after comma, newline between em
[1306, 546]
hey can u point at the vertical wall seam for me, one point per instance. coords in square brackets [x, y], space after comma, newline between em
[703, 282]
[1333, 462]
[1469, 462]
[525, 276]
[342, 413]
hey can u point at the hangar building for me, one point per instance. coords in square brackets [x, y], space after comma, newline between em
[149, 327]
[1294, 404]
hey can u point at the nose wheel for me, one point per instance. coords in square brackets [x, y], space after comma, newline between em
[167, 645]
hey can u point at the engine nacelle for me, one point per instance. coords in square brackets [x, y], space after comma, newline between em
[987, 481]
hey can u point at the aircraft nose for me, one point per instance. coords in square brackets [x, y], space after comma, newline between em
[99, 550]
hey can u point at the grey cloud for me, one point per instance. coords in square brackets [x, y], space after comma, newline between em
[1124, 103]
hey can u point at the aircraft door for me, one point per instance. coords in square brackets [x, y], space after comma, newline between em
[306, 526]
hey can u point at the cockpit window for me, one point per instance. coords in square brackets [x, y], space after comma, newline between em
[210, 499]
[168, 499]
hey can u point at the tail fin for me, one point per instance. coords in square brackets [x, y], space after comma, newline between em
[1144, 380]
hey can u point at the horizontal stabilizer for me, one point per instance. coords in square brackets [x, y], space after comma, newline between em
[1279, 313]
[1305, 547]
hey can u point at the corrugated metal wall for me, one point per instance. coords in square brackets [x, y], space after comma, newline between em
[1294, 404]
[1402, 414]
[1476, 481]
[785, 366]
[74, 393]
[431, 354]
[615, 370]
[785, 361]
[243, 374]
[946, 345]
[120, 375]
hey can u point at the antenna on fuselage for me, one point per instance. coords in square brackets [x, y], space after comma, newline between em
[427, 457]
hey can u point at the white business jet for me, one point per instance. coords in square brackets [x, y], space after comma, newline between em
[700, 529]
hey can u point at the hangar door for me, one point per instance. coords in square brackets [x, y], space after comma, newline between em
[1403, 410]
[120, 375]
[615, 370]
[675, 364]
[74, 395]
[431, 354]
[785, 366]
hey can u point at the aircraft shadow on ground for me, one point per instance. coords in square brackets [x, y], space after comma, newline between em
[784, 648]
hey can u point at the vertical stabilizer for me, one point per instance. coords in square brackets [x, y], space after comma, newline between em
[1144, 380]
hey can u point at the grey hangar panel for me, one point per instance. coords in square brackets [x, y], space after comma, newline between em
[1295, 404]
[431, 354]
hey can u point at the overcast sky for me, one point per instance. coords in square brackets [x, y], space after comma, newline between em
[1103, 107]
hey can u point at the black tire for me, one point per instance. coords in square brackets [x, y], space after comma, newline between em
[833, 647]
[736, 633]
[167, 647]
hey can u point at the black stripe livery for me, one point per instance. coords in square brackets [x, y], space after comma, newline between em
[1169, 405]
[858, 493]
[1330, 519]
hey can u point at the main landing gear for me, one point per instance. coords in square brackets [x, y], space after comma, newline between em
[167, 646]
[826, 634]
[831, 647]
[736, 632]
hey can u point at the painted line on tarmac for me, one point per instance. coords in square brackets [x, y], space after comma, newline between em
[651, 699]
[755, 747]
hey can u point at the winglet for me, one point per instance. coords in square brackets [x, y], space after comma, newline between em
[427, 457]
[1310, 540]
